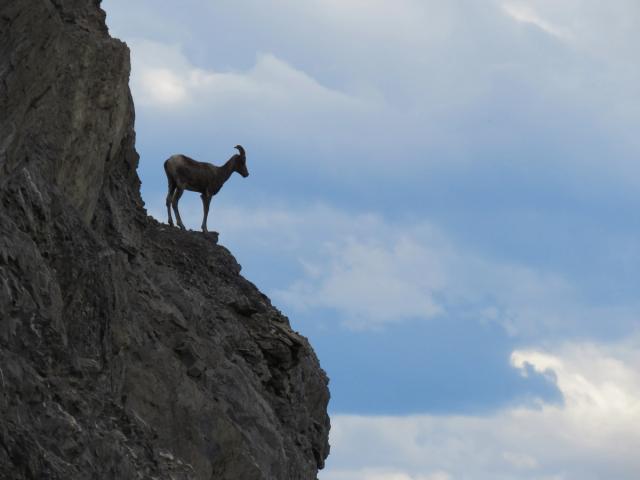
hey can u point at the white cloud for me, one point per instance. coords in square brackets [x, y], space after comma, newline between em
[592, 379]
[161, 87]
[600, 28]
[163, 76]
[524, 13]
[593, 435]
[375, 273]
[372, 284]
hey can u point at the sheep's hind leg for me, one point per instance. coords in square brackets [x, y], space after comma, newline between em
[176, 196]
[172, 189]
[206, 200]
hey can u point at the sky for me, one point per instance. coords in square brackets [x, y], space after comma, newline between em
[443, 197]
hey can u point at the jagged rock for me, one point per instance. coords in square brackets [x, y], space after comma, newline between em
[127, 349]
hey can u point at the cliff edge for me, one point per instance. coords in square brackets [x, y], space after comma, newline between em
[128, 349]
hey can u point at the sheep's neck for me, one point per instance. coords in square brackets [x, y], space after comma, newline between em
[225, 172]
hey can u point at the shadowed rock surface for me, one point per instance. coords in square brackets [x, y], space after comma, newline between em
[127, 349]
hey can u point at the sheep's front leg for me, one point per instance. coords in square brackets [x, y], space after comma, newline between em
[169, 197]
[206, 200]
[176, 196]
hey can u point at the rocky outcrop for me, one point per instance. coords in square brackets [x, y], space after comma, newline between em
[127, 349]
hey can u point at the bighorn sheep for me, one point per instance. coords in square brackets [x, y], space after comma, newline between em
[184, 173]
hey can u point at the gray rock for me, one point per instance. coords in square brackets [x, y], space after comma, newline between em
[127, 349]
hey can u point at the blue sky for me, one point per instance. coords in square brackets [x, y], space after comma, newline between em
[443, 197]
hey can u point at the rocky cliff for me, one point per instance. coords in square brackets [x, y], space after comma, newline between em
[128, 349]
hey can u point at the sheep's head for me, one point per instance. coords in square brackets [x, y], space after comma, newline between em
[241, 164]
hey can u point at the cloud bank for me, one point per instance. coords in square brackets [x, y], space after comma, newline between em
[592, 435]
[426, 81]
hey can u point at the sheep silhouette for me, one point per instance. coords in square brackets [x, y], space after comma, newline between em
[184, 173]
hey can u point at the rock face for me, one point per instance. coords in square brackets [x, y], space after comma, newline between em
[128, 349]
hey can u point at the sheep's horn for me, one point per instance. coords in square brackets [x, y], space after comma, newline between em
[240, 149]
